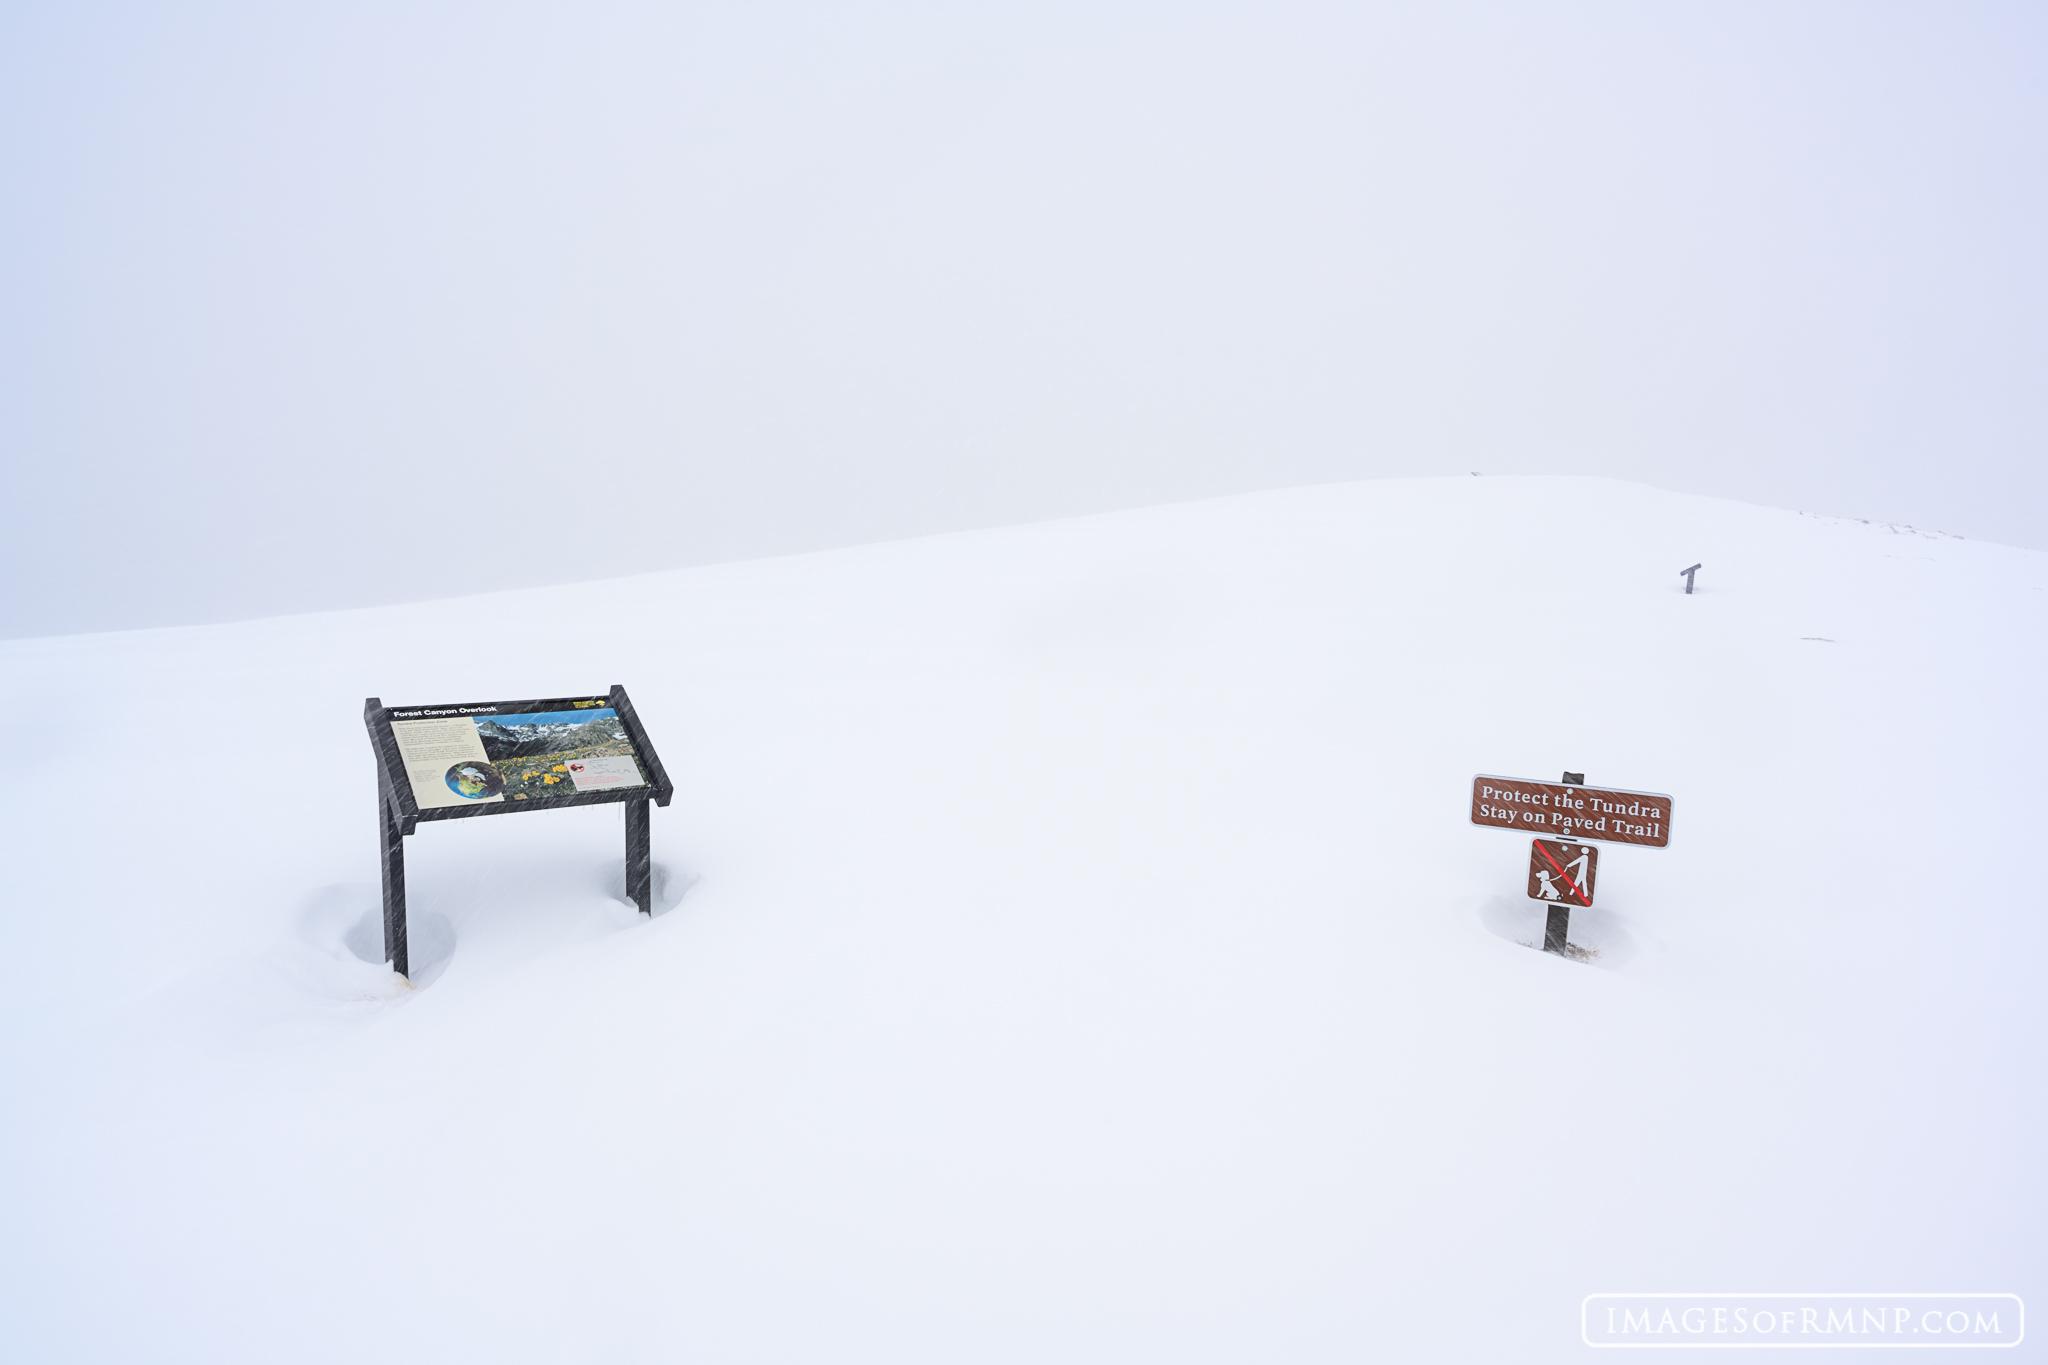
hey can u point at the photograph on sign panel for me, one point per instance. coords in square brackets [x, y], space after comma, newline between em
[557, 753]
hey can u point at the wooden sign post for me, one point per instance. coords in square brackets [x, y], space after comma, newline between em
[497, 758]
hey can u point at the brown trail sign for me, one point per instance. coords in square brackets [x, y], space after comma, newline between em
[1561, 873]
[1564, 810]
[1562, 869]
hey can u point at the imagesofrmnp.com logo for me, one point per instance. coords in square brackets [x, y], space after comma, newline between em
[1810, 1320]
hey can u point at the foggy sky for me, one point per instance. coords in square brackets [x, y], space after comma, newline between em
[316, 305]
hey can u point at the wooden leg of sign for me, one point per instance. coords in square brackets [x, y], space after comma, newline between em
[394, 888]
[639, 859]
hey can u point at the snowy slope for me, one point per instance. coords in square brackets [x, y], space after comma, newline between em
[1070, 944]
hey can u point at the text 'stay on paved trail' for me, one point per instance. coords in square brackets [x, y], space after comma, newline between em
[1567, 811]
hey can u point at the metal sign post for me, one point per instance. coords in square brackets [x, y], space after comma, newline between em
[393, 836]
[1557, 922]
[639, 858]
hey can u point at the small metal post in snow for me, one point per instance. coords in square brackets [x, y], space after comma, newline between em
[1558, 921]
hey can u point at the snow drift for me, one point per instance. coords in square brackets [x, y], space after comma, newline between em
[1069, 944]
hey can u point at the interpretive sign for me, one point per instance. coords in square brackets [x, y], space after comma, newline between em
[514, 751]
[494, 758]
[1562, 873]
[1562, 809]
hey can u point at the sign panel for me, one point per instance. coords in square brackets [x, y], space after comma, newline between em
[502, 757]
[1562, 873]
[1607, 814]
[494, 752]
